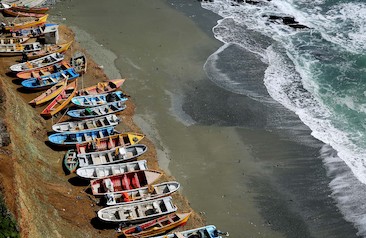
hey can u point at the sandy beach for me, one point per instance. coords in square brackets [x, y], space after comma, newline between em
[243, 164]
[250, 168]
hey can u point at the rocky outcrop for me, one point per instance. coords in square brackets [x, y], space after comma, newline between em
[286, 20]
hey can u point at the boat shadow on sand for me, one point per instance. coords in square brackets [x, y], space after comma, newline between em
[79, 182]
[55, 147]
[100, 225]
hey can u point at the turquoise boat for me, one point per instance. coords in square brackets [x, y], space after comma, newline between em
[99, 99]
[91, 112]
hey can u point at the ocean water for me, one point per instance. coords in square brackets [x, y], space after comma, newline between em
[317, 73]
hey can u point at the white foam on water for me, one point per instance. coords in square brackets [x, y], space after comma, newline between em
[347, 190]
[176, 108]
[293, 85]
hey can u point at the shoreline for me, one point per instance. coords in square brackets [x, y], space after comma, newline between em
[53, 192]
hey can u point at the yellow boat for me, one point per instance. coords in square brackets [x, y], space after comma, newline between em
[49, 94]
[157, 226]
[49, 50]
[28, 24]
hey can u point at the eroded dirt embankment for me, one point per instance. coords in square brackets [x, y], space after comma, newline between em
[45, 201]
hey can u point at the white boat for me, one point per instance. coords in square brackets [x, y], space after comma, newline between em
[142, 194]
[13, 40]
[113, 156]
[100, 171]
[79, 62]
[19, 49]
[138, 212]
[99, 99]
[94, 123]
[37, 63]
[209, 231]
[4, 6]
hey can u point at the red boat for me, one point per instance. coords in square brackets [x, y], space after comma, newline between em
[125, 181]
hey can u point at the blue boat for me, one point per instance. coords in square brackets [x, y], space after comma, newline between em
[98, 99]
[48, 81]
[73, 138]
[91, 112]
[209, 231]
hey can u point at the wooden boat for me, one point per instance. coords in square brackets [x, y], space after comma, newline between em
[142, 194]
[4, 6]
[102, 87]
[61, 100]
[138, 212]
[36, 22]
[32, 32]
[38, 63]
[19, 49]
[58, 67]
[79, 62]
[122, 182]
[90, 112]
[50, 93]
[72, 138]
[100, 171]
[48, 81]
[71, 161]
[111, 142]
[49, 49]
[30, 9]
[88, 124]
[157, 226]
[13, 40]
[209, 231]
[99, 99]
[15, 13]
[117, 155]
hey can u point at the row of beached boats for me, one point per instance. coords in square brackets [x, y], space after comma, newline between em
[131, 192]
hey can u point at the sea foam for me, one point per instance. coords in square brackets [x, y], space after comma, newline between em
[294, 78]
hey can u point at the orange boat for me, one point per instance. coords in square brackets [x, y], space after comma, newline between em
[50, 93]
[29, 9]
[102, 87]
[15, 13]
[49, 50]
[43, 71]
[61, 100]
[28, 24]
[157, 226]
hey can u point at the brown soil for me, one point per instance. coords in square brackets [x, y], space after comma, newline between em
[45, 201]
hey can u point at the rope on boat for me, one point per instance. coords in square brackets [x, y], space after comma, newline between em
[61, 116]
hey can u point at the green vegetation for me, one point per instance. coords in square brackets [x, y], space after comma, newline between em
[8, 225]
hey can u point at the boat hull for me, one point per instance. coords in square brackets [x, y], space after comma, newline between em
[155, 227]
